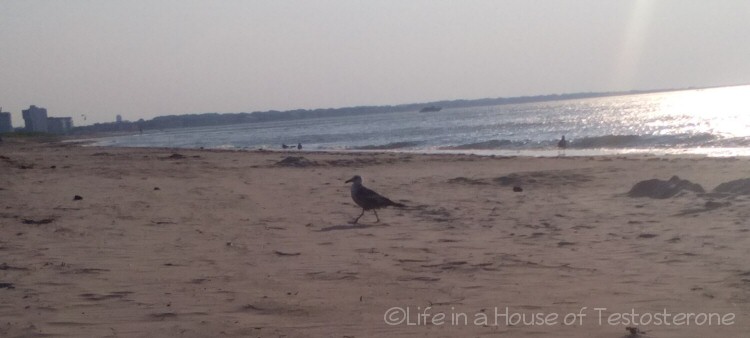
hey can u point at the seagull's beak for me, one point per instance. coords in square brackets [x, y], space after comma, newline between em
[349, 180]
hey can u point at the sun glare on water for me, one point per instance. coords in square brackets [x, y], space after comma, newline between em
[720, 111]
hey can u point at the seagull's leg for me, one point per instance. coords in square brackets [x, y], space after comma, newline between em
[360, 215]
[376, 216]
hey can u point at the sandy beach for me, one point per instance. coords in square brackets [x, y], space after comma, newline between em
[207, 243]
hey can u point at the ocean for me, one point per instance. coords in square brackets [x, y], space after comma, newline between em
[712, 122]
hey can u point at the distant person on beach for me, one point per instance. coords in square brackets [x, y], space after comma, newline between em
[562, 145]
[299, 146]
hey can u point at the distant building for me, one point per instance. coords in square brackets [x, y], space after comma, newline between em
[6, 125]
[118, 119]
[59, 125]
[35, 119]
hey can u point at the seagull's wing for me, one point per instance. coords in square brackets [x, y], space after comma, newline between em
[374, 200]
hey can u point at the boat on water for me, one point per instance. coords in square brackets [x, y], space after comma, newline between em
[430, 109]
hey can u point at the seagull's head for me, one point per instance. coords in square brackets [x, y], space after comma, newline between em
[356, 180]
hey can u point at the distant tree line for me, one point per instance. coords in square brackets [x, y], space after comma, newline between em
[216, 119]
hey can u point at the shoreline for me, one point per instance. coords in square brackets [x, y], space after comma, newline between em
[532, 153]
[548, 152]
[243, 243]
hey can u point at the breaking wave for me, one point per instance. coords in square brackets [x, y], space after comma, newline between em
[390, 146]
[611, 141]
[642, 141]
[491, 144]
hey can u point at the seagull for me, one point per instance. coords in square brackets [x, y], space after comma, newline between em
[368, 199]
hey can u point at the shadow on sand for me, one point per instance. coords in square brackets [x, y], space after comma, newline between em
[350, 227]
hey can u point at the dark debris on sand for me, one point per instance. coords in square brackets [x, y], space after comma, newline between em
[38, 222]
[174, 156]
[546, 178]
[656, 188]
[282, 253]
[296, 162]
[16, 163]
[740, 187]
[465, 180]
[6, 267]
[359, 162]
[543, 178]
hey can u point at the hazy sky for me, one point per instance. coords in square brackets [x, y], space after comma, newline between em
[147, 58]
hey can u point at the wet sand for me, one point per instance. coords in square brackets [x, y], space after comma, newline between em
[196, 243]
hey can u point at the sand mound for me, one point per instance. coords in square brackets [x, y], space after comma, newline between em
[549, 178]
[741, 187]
[175, 156]
[465, 180]
[296, 161]
[358, 162]
[657, 188]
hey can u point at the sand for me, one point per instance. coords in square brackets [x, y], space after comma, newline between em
[199, 243]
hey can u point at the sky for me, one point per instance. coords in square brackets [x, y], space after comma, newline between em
[141, 59]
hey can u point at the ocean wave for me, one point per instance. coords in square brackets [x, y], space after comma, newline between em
[638, 141]
[225, 146]
[609, 141]
[491, 144]
[389, 146]
[731, 142]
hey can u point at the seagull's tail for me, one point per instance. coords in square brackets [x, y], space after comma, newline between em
[398, 205]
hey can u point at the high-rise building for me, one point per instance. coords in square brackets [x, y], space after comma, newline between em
[118, 119]
[35, 119]
[6, 125]
[59, 125]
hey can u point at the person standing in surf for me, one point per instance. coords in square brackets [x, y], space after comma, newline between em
[561, 145]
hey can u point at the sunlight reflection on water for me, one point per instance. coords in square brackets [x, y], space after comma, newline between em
[712, 121]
